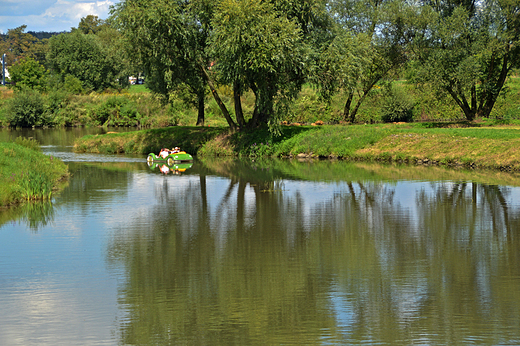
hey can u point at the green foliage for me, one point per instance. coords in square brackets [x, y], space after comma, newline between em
[397, 105]
[260, 49]
[26, 173]
[369, 46]
[27, 73]
[72, 85]
[117, 111]
[85, 58]
[26, 109]
[179, 33]
[30, 143]
[90, 24]
[18, 44]
[467, 51]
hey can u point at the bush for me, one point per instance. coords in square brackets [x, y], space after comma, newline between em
[28, 73]
[397, 105]
[73, 85]
[26, 109]
[118, 111]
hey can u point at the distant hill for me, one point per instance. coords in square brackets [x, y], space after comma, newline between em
[40, 35]
[43, 34]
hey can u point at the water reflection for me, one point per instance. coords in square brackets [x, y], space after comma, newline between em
[264, 252]
[231, 257]
[34, 214]
[176, 168]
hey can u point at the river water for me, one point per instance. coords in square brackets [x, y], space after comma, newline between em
[230, 252]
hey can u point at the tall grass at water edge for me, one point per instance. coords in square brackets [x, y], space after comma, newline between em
[26, 173]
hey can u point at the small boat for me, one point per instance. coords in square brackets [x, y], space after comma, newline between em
[170, 159]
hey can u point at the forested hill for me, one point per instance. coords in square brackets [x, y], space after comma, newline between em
[40, 35]
[43, 34]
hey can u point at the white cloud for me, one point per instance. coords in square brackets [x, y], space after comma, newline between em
[49, 15]
[77, 10]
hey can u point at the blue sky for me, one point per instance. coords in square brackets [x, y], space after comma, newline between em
[49, 15]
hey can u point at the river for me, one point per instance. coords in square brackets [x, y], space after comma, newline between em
[266, 252]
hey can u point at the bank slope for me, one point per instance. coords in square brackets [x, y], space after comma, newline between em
[472, 146]
[28, 174]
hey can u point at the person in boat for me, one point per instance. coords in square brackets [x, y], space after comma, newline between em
[176, 150]
[164, 152]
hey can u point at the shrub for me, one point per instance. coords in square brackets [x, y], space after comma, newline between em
[397, 105]
[118, 111]
[30, 143]
[73, 85]
[26, 109]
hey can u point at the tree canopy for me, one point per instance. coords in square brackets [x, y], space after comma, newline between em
[461, 49]
[168, 39]
[27, 73]
[467, 49]
[84, 57]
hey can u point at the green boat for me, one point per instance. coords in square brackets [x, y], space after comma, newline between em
[181, 156]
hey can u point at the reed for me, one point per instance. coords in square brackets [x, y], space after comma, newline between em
[26, 173]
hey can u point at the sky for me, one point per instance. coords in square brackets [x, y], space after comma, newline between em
[49, 15]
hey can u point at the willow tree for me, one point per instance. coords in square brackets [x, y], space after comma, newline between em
[168, 39]
[260, 50]
[268, 48]
[370, 43]
[468, 49]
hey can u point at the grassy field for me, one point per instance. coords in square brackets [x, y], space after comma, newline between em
[26, 173]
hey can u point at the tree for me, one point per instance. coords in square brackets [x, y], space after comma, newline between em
[370, 43]
[468, 49]
[261, 46]
[18, 44]
[168, 39]
[84, 57]
[27, 73]
[91, 24]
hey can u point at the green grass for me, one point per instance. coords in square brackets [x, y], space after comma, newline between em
[484, 146]
[138, 88]
[26, 173]
[188, 138]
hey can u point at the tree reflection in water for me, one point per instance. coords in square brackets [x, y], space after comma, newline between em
[232, 255]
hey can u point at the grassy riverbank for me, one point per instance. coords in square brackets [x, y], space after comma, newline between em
[464, 144]
[26, 173]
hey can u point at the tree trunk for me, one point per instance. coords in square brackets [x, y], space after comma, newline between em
[358, 104]
[492, 95]
[238, 105]
[463, 104]
[217, 98]
[200, 105]
[346, 110]
[366, 90]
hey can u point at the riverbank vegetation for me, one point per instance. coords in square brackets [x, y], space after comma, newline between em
[26, 173]
[484, 145]
[139, 107]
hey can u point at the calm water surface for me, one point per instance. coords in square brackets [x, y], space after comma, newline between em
[261, 253]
